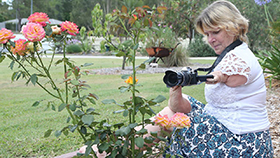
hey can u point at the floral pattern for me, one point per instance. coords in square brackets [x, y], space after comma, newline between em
[207, 137]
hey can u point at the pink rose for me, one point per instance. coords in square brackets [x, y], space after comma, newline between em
[40, 18]
[33, 32]
[71, 27]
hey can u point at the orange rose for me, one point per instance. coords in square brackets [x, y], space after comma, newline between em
[130, 80]
[20, 47]
[180, 120]
[162, 121]
[6, 35]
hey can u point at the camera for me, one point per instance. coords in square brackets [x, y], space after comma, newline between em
[186, 77]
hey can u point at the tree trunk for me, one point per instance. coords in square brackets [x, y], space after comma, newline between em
[123, 64]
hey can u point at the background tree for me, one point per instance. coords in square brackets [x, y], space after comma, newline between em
[4, 11]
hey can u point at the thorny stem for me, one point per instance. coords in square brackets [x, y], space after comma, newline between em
[66, 95]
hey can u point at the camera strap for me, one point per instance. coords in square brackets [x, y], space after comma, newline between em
[221, 56]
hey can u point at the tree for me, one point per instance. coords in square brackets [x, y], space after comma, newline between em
[81, 12]
[4, 11]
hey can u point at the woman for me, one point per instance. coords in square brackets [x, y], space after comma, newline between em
[234, 121]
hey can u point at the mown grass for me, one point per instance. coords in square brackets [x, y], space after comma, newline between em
[22, 126]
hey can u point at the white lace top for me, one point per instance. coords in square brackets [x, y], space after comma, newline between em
[241, 109]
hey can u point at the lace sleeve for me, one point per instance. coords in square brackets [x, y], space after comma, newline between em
[233, 65]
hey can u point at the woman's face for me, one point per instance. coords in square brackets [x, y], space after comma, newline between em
[218, 39]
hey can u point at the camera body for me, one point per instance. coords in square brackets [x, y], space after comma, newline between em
[185, 77]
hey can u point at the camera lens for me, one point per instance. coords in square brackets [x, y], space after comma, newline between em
[171, 78]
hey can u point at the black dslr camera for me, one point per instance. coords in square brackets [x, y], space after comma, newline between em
[186, 77]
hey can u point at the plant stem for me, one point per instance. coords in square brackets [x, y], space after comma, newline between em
[23, 67]
[49, 76]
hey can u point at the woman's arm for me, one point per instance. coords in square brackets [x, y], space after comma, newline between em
[177, 102]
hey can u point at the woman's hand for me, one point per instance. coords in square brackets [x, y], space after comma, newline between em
[231, 81]
[218, 77]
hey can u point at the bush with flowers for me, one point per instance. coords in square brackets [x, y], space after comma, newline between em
[118, 140]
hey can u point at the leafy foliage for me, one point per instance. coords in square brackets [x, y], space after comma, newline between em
[73, 48]
[198, 48]
[270, 61]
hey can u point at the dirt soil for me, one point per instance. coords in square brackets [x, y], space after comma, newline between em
[273, 109]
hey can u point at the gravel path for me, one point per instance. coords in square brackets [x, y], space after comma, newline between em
[151, 70]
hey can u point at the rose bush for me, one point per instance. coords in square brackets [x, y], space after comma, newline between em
[120, 139]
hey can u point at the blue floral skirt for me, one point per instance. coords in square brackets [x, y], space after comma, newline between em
[208, 138]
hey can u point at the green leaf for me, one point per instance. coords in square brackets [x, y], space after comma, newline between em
[149, 140]
[136, 46]
[125, 113]
[92, 101]
[48, 30]
[118, 111]
[33, 79]
[72, 107]
[11, 66]
[142, 131]
[79, 113]
[68, 119]
[75, 82]
[125, 76]
[87, 64]
[103, 147]
[139, 141]
[108, 101]
[142, 66]
[48, 133]
[61, 106]
[2, 58]
[36, 103]
[73, 128]
[153, 134]
[159, 99]
[120, 54]
[123, 89]
[132, 125]
[87, 119]
[89, 110]
[59, 61]
[84, 130]
[57, 133]
[124, 148]
[65, 132]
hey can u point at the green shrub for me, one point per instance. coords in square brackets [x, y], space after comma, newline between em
[198, 48]
[270, 62]
[74, 48]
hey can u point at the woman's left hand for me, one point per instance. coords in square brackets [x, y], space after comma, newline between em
[218, 77]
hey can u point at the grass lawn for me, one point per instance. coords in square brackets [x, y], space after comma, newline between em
[22, 126]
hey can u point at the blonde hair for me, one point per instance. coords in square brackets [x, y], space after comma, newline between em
[224, 15]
